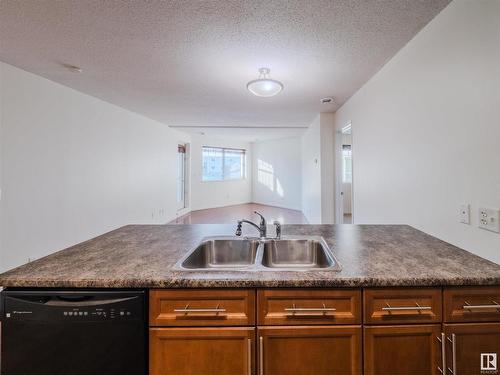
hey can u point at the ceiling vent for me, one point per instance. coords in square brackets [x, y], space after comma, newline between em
[327, 100]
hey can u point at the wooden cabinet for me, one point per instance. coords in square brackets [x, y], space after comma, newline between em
[301, 350]
[402, 305]
[209, 346]
[402, 350]
[202, 307]
[473, 349]
[207, 351]
[308, 306]
[478, 304]
[405, 331]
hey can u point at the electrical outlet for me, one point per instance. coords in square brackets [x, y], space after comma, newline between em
[464, 214]
[489, 219]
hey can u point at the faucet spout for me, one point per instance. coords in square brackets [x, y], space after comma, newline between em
[262, 233]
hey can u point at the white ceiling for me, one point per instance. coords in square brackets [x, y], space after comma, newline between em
[186, 63]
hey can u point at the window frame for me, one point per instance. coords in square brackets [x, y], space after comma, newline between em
[223, 151]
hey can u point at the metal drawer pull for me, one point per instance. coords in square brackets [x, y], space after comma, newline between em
[261, 355]
[453, 341]
[468, 306]
[442, 340]
[187, 310]
[249, 356]
[323, 309]
[417, 307]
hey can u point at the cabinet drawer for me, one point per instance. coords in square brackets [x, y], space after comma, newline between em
[402, 306]
[202, 307]
[318, 306]
[477, 304]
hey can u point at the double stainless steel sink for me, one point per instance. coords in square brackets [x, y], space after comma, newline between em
[245, 254]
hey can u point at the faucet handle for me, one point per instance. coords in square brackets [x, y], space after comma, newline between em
[238, 228]
[277, 224]
[262, 218]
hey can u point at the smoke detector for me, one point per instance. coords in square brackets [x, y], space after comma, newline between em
[327, 100]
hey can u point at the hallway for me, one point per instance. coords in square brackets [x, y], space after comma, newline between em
[230, 214]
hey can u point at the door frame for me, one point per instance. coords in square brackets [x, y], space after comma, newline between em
[339, 208]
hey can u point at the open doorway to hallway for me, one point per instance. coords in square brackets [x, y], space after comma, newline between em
[345, 198]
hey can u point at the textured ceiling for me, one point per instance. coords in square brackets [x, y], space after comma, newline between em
[186, 63]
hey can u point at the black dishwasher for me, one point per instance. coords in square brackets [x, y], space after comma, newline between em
[68, 332]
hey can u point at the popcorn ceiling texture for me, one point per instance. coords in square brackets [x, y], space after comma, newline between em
[145, 255]
[187, 62]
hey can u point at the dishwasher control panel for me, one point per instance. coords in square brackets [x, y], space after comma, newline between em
[73, 307]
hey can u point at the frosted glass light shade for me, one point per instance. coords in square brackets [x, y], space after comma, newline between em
[265, 87]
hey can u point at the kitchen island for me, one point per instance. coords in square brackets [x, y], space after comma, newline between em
[144, 256]
[403, 303]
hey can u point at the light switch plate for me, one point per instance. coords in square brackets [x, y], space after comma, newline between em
[489, 219]
[464, 213]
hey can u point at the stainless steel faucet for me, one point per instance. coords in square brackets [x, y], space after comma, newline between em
[262, 227]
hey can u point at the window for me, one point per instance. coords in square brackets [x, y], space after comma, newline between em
[223, 164]
[346, 164]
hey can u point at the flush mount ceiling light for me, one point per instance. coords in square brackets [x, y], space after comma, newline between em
[264, 86]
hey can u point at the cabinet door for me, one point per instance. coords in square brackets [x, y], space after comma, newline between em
[402, 350]
[301, 350]
[473, 349]
[196, 351]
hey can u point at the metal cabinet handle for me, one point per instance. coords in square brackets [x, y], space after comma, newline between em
[494, 305]
[187, 310]
[199, 310]
[249, 353]
[323, 309]
[417, 307]
[453, 341]
[261, 355]
[442, 340]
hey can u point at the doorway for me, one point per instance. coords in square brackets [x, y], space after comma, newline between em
[181, 176]
[345, 201]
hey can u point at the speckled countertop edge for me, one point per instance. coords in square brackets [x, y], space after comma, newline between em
[139, 256]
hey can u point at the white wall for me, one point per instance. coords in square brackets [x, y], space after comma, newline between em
[311, 172]
[327, 130]
[318, 178]
[277, 173]
[426, 130]
[218, 193]
[75, 167]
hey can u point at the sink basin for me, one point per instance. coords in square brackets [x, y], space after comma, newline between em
[298, 254]
[221, 253]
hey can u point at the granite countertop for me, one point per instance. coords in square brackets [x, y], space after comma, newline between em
[145, 255]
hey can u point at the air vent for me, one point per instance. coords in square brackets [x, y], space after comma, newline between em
[326, 100]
